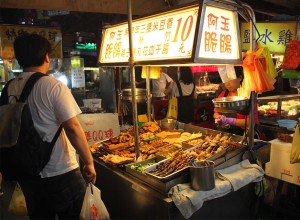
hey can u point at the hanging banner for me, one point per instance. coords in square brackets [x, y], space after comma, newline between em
[78, 78]
[166, 36]
[219, 37]
[99, 127]
[274, 35]
[8, 34]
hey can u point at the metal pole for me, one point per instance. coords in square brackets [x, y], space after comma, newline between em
[253, 98]
[133, 89]
[149, 100]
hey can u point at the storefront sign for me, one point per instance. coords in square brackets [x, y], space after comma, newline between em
[219, 37]
[99, 127]
[8, 33]
[78, 78]
[274, 35]
[166, 36]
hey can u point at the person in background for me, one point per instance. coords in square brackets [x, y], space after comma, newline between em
[184, 90]
[61, 189]
[160, 87]
[233, 122]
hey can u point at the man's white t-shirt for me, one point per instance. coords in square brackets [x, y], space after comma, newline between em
[159, 85]
[50, 103]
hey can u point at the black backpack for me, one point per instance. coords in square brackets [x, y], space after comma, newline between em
[23, 153]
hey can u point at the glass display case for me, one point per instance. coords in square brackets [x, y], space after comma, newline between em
[273, 108]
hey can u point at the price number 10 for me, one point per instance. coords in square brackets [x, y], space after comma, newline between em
[185, 29]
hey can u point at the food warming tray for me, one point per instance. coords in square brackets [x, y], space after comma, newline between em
[156, 183]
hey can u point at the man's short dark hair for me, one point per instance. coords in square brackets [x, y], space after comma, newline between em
[31, 49]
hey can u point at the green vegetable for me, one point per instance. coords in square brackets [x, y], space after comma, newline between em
[140, 167]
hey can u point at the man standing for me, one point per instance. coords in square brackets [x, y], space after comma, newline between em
[61, 188]
[160, 86]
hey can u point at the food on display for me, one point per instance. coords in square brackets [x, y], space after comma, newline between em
[292, 57]
[211, 145]
[140, 167]
[120, 150]
[288, 108]
[214, 144]
[178, 162]
[116, 159]
[207, 88]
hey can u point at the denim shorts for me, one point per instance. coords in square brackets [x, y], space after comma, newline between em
[60, 196]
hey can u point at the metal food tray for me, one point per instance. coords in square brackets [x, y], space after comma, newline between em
[138, 174]
[153, 181]
[183, 170]
[167, 177]
[230, 154]
[186, 145]
[229, 161]
[213, 157]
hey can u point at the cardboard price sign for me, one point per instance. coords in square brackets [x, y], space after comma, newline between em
[99, 127]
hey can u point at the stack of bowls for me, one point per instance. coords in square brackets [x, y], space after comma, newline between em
[288, 124]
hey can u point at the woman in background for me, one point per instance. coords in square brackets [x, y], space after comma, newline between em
[184, 90]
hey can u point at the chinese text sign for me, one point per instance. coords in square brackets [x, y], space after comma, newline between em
[166, 36]
[275, 36]
[78, 78]
[99, 127]
[219, 37]
[10, 32]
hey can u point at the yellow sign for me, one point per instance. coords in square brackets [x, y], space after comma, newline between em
[274, 35]
[8, 33]
[166, 36]
[218, 38]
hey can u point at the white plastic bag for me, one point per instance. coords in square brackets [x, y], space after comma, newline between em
[93, 207]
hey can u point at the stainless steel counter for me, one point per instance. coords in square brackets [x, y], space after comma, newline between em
[126, 197]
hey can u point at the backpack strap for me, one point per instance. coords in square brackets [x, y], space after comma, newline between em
[29, 85]
[26, 91]
[56, 135]
[4, 94]
[179, 88]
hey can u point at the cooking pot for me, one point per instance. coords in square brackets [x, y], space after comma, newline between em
[140, 95]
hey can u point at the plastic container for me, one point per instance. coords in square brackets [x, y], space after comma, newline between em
[92, 102]
[285, 123]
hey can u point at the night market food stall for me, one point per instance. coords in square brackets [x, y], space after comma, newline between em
[189, 35]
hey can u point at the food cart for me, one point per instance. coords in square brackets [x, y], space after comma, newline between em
[180, 39]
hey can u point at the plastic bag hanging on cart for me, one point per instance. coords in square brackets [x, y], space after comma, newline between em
[172, 108]
[295, 151]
